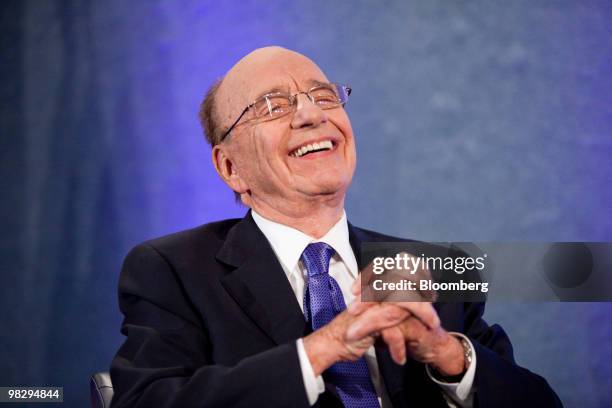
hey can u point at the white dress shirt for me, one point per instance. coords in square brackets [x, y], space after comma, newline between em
[288, 245]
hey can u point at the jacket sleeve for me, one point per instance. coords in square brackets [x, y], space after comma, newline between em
[166, 358]
[499, 381]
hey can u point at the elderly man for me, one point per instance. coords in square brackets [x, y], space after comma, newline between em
[252, 312]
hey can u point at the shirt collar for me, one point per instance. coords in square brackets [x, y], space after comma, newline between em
[288, 243]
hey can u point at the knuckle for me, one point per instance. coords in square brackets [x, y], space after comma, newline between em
[393, 313]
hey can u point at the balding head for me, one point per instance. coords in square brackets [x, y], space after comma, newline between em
[258, 160]
[228, 96]
[259, 71]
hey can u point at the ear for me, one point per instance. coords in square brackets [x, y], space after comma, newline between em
[226, 169]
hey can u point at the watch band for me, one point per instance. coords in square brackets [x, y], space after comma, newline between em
[467, 358]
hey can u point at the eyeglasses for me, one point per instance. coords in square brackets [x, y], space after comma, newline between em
[278, 104]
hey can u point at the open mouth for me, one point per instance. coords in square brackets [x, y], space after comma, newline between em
[321, 146]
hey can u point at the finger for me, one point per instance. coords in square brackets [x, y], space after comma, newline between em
[358, 307]
[394, 339]
[424, 311]
[376, 318]
[358, 348]
[413, 329]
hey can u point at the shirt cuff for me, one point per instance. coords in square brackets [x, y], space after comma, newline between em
[314, 386]
[461, 392]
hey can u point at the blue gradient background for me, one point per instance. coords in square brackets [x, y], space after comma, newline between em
[474, 120]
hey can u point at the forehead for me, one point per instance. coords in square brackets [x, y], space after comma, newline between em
[271, 68]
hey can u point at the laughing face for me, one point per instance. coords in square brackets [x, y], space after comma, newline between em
[300, 159]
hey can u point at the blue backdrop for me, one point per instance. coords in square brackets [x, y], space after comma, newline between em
[474, 120]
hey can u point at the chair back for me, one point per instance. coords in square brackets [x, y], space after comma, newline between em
[101, 390]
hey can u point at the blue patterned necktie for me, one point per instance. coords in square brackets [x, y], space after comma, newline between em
[322, 302]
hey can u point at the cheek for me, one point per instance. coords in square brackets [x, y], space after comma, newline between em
[269, 142]
[265, 155]
[343, 123]
[349, 139]
[243, 155]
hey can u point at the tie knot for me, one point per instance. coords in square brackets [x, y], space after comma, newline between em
[316, 258]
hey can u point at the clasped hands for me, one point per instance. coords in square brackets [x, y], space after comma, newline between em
[408, 329]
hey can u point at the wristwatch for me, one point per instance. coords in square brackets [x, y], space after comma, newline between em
[467, 353]
[467, 361]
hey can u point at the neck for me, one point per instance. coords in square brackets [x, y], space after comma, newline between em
[314, 219]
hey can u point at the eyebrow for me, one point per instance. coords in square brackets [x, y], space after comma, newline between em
[271, 90]
[311, 83]
[316, 82]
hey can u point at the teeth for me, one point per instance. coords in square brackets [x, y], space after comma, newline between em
[326, 144]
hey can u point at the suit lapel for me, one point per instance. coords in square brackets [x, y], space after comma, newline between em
[259, 284]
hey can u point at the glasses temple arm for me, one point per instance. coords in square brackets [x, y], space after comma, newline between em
[235, 123]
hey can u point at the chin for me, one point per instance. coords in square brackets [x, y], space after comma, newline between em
[337, 187]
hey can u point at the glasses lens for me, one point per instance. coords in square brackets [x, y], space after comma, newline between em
[272, 106]
[325, 96]
[330, 96]
[343, 92]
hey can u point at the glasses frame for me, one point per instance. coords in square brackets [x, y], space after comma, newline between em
[293, 103]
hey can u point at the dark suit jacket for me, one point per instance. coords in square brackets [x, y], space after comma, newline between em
[211, 321]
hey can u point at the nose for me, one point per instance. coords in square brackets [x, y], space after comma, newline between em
[307, 114]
